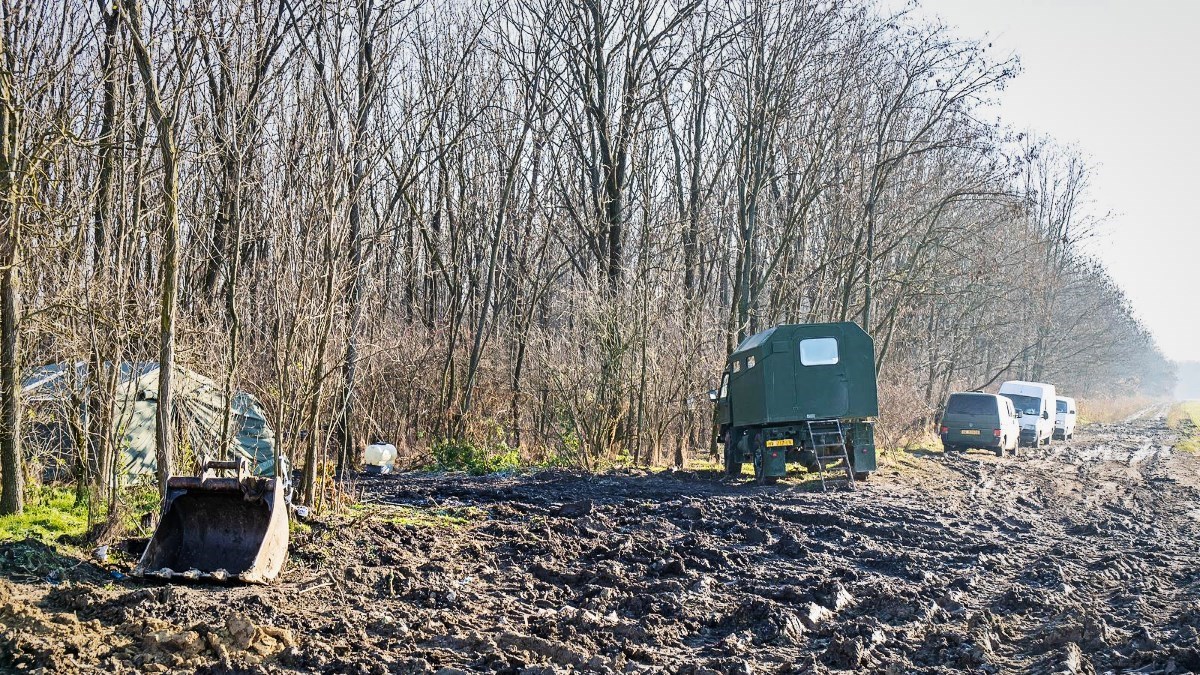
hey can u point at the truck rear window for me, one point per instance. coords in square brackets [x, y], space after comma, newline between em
[965, 404]
[819, 351]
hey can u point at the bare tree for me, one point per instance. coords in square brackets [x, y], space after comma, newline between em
[164, 117]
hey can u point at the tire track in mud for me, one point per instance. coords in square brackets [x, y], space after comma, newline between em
[1004, 566]
[1080, 557]
[1129, 566]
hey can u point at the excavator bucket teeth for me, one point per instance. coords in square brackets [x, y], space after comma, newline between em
[219, 529]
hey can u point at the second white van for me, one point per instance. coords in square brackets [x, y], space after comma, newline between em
[1035, 402]
[1065, 416]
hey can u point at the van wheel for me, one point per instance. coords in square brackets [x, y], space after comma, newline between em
[1000, 450]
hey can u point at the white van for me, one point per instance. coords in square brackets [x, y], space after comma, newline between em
[1064, 417]
[1035, 402]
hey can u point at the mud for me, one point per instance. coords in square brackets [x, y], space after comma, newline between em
[1079, 558]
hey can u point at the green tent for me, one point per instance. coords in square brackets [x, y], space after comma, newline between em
[200, 407]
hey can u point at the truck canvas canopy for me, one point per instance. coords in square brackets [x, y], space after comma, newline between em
[804, 371]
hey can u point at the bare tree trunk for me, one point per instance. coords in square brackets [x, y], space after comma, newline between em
[99, 404]
[510, 178]
[12, 493]
[869, 267]
[164, 121]
[231, 311]
[308, 480]
[12, 497]
[366, 101]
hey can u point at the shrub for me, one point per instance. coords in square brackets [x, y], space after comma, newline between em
[475, 459]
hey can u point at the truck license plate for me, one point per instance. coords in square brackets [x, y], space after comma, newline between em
[970, 432]
[782, 442]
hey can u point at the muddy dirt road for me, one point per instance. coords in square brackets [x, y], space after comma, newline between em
[1080, 558]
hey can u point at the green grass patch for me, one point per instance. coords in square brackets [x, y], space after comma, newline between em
[448, 517]
[796, 475]
[703, 465]
[53, 512]
[50, 513]
[1184, 418]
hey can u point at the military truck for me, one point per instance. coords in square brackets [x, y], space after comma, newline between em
[801, 393]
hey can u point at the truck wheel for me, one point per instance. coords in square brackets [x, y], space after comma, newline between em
[733, 467]
[760, 471]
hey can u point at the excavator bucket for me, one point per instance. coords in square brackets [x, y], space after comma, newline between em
[219, 528]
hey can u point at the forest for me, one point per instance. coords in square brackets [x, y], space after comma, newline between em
[531, 226]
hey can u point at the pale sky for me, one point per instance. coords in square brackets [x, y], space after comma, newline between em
[1121, 80]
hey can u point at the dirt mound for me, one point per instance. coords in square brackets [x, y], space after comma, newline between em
[55, 635]
[34, 560]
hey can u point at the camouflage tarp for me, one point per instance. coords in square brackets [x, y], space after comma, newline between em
[199, 411]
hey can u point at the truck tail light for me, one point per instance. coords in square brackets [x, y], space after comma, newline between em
[996, 433]
[945, 430]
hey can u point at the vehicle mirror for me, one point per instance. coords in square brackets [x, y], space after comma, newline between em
[712, 394]
[1072, 412]
[1045, 415]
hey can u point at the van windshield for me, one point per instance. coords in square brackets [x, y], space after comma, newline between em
[1026, 405]
[1061, 406]
[965, 404]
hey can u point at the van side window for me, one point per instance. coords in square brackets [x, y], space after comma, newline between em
[724, 385]
[749, 362]
[737, 366]
[819, 351]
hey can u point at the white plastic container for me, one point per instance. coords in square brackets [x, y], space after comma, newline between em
[380, 457]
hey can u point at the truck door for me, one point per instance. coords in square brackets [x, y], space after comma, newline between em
[723, 411]
[822, 387]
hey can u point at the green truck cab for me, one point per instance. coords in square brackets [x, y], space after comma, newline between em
[790, 389]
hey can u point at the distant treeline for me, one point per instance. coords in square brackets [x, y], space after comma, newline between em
[542, 223]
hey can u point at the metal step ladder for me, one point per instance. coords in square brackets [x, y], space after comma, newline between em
[829, 445]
